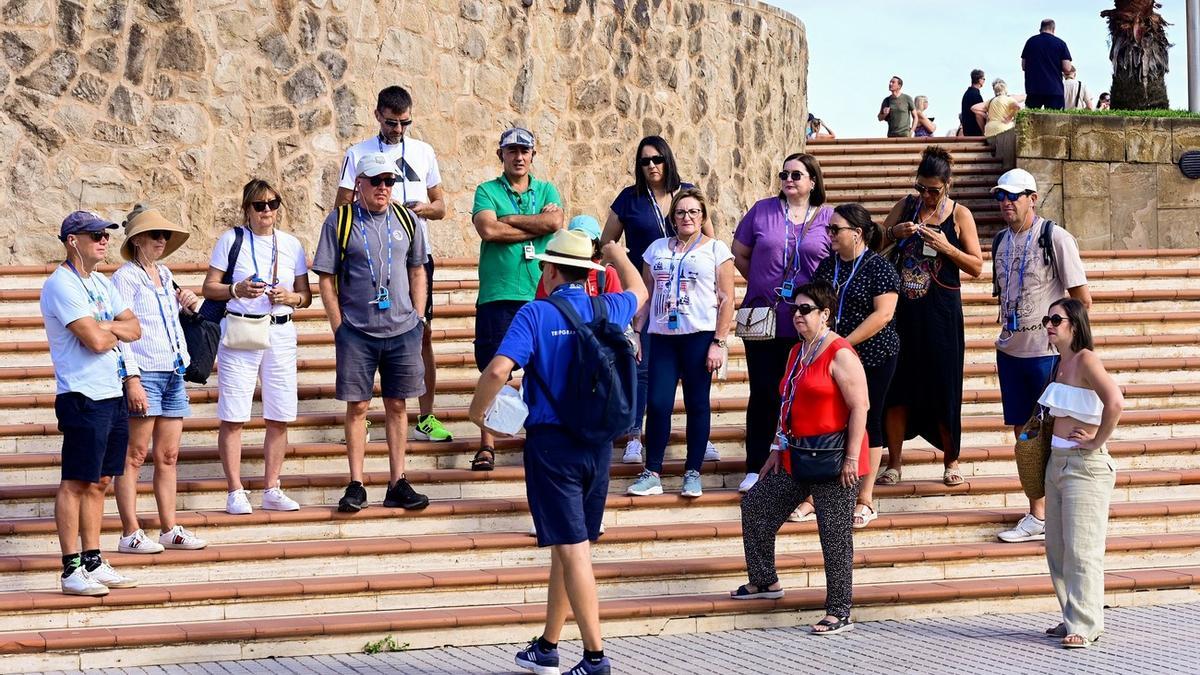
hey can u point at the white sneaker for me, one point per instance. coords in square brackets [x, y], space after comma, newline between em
[106, 575]
[1030, 528]
[748, 482]
[633, 452]
[80, 582]
[533, 530]
[275, 500]
[238, 503]
[179, 538]
[138, 542]
[711, 454]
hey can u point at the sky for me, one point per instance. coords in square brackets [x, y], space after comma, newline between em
[934, 44]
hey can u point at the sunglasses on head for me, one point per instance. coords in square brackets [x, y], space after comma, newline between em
[376, 181]
[1002, 195]
[392, 124]
[269, 205]
[100, 236]
[1054, 320]
[925, 189]
[159, 234]
[792, 175]
[653, 160]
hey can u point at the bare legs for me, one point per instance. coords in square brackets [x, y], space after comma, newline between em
[165, 433]
[573, 588]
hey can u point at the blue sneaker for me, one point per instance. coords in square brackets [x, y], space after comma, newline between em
[585, 668]
[646, 484]
[535, 660]
[691, 484]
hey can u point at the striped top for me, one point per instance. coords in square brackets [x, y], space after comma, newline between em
[155, 351]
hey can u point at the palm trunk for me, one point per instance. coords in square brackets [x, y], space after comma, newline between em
[1139, 45]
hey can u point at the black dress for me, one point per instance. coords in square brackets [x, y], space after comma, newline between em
[929, 320]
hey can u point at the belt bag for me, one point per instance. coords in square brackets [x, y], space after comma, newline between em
[247, 331]
[755, 323]
[817, 458]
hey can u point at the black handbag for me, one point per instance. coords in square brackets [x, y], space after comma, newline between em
[817, 458]
[202, 338]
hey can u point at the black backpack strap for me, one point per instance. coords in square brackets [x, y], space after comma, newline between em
[996, 249]
[238, 236]
[576, 322]
[1046, 242]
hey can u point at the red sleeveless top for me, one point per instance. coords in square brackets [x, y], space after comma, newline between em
[817, 403]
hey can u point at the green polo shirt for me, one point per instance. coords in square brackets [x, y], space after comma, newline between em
[504, 273]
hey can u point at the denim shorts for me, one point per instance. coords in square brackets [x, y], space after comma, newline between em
[396, 359]
[1022, 380]
[95, 436]
[165, 394]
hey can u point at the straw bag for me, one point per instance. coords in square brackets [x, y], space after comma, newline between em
[755, 323]
[1032, 452]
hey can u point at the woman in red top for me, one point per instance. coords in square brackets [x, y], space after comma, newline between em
[824, 405]
[594, 284]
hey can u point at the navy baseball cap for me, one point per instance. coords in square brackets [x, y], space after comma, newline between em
[83, 221]
[516, 136]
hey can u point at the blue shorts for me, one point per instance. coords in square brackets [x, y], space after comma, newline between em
[95, 436]
[165, 394]
[566, 484]
[397, 359]
[1022, 380]
[492, 320]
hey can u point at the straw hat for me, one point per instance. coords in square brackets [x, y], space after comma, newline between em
[144, 219]
[571, 248]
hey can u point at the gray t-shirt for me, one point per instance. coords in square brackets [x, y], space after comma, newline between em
[356, 290]
[1031, 296]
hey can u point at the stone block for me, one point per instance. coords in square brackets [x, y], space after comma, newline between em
[1050, 203]
[1047, 172]
[1185, 135]
[1085, 179]
[1044, 135]
[1089, 219]
[1176, 191]
[182, 50]
[54, 74]
[1098, 138]
[1179, 228]
[179, 123]
[1147, 140]
[1133, 206]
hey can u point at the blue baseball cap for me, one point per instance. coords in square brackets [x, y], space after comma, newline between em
[585, 224]
[83, 221]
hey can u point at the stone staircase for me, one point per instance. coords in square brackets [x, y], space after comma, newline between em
[464, 572]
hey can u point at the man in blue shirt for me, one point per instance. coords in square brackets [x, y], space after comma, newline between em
[1045, 60]
[566, 483]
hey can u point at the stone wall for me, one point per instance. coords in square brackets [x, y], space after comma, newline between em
[1114, 182]
[179, 102]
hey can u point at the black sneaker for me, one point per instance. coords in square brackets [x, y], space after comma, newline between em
[355, 499]
[403, 496]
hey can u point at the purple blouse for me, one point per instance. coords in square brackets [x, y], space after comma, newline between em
[780, 249]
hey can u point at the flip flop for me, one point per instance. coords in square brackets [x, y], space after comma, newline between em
[888, 477]
[953, 477]
[832, 627]
[482, 463]
[864, 518]
[743, 592]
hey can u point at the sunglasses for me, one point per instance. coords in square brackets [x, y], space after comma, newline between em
[1054, 320]
[653, 160]
[925, 189]
[792, 175]
[392, 124]
[1002, 195]
[834, 229]
[159, 234]
[99, 236]
[270, 205]
[376, 181]
[804, 309]
[688, 213]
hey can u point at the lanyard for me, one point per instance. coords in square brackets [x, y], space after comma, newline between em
[790, 268]
[917, 217]
[676, 274]
[512, 194]
[1012, 254]
[101, 301]
[401, 167]
[843, 289]
[274, 258]
[803, 360]
[172, 336]
[662, 220]
[362, 229]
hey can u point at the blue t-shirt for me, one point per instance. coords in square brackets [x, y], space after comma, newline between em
[66, 298]
[1044, 54]
[644, 225]
[540, 334]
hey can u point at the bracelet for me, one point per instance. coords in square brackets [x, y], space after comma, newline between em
[233, 293]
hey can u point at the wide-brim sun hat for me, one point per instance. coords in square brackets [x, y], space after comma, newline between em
[571, 248]
[142, 219]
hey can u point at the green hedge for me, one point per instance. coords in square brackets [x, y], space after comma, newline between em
[1111, 113]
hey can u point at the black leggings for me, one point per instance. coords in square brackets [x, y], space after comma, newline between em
[766, 361]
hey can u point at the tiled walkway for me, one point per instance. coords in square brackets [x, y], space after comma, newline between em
[1142, 640]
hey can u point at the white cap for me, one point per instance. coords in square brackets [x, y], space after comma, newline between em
[374, 164]
[1016, 181]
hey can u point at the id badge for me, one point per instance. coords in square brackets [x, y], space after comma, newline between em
[180, 369]
[529, 251]
[787, 290]
[385, 300]
[1012, 322]
[673, 320]
[928, 251]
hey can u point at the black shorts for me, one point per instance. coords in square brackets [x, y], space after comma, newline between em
[492, 320]
[566, 484]
[879, 380]
[428, 291]
[95, 436]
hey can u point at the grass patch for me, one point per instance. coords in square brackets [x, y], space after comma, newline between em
[387, 644]
[1025, 112]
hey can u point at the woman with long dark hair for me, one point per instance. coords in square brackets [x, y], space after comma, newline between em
[935, 241]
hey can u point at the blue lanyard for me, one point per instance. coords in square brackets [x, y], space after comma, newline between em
[362, 229]
[101, 301]
[1012, 254]
[162, 314]
[662, 220]
[843, 289]
[512, 194]
[274, 258]
[400, 166]
[676, 274]
[799, 366]
[917, 216]
[790, 268]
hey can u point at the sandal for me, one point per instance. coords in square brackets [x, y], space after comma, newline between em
[802, 516]
[864, 517]
[830, 627]
[888, 477]
[482, 463]
[1076, 641]
[953, 476]
[1059, 631]
[743, 592]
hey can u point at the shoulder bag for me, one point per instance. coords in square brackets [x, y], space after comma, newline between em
[816, 459]
[755, 323]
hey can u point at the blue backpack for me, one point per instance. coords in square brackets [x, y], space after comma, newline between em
[597, 405]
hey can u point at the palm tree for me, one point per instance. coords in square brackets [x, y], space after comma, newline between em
[1138, 37]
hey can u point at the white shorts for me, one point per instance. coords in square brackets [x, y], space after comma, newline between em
[239, 370]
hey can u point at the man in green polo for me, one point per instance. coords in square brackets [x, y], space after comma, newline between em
[514, 214]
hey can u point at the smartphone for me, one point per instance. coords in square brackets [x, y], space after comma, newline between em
[410, 204]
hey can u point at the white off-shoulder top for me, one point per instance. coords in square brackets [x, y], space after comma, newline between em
[1065, 400]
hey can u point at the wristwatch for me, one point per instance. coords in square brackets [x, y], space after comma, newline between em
[719, 342]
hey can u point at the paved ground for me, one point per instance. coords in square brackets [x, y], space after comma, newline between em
[983, 644]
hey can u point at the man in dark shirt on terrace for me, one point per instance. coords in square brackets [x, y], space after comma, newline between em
[1045, 60]
[970, 125]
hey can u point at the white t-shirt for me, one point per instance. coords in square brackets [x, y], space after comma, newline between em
[256, 258]
[418, 167]
[687, 282]
[65, 299]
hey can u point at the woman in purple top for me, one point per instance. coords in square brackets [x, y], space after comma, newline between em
[776, 248]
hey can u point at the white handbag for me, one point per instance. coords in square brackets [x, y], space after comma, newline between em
[246, 332]
[755, 323]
